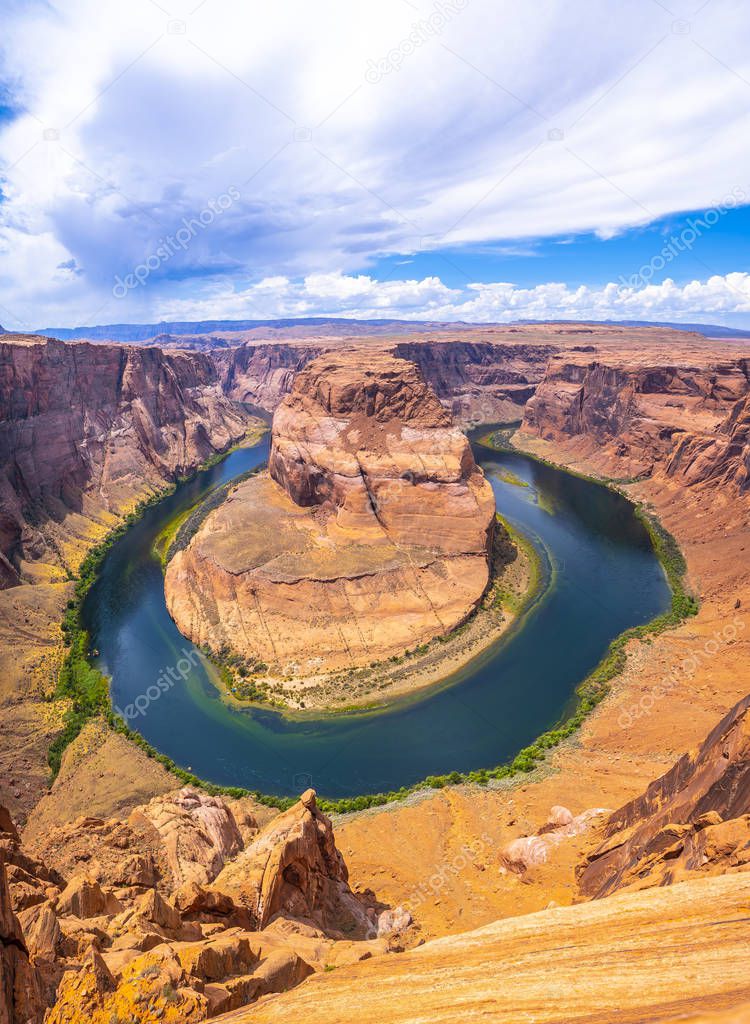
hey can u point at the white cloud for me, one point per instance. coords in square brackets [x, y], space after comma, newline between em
[429, 299]
[511, 122]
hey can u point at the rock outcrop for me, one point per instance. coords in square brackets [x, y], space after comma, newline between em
[371, 535]
[198, 832]
[21, 998]
[694, 820]
[528, 852]
[294, 869]
[480, 381]
[721, 459]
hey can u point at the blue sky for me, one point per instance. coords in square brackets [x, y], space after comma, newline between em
[440, 159]
[586, 258]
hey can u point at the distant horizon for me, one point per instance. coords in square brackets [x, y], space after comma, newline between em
[238, 325]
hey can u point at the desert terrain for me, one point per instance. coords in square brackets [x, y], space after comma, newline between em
[607, 859]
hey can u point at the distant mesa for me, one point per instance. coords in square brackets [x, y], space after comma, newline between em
[370, 533]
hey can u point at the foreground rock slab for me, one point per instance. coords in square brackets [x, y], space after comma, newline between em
[631, 958]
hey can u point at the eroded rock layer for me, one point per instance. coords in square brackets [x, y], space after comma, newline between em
[690, 422]
[693, 820]
[371, 534]
[84, 429]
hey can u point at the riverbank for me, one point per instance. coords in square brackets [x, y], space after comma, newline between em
[164, 543]
[81, 692]
[488, 737]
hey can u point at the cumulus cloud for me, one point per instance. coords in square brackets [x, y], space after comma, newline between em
[365, 297]
[350, 132]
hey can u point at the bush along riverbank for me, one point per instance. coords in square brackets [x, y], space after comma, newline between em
[87, 689]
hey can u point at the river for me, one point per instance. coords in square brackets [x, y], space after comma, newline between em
[601, 578]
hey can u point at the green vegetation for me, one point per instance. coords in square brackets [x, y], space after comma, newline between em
[84, 686]
[166, 537]
[504, 597]
[243, 677]
[508, 477]
[252, 437]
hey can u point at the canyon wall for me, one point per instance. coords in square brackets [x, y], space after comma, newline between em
[635, 418]
[479, 381]
[262, 374]
[86, 429]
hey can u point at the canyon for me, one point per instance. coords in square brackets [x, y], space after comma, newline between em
[643, 908]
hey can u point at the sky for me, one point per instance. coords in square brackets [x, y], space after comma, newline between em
[474, 160]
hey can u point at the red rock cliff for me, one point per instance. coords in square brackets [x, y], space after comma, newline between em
[87, 428]
[633, 417]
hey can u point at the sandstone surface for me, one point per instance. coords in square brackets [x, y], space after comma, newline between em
[372, 534]
[632, 958]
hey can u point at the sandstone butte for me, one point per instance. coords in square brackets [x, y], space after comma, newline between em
[657, 929]
[370, 535]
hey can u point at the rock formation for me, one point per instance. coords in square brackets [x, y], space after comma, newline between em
[198, 832]
[293, 868]
[263, 374]
[480, 381]
[694, 820]
[86, 428]
[144, 944]
[21, 998]
[371, 535]
[159, 950]
[719, 459]
[689, 422]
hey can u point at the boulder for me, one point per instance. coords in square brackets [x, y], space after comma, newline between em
[83, 897]
[198, 832]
